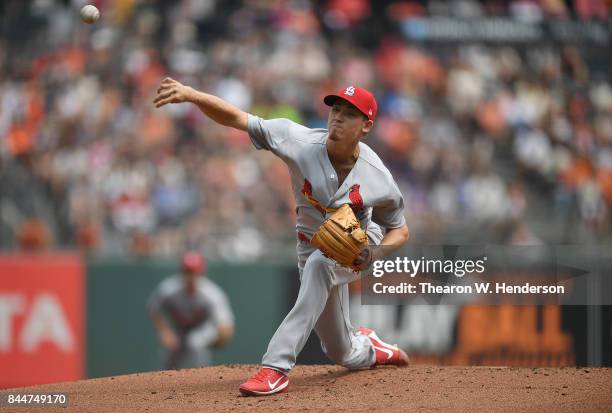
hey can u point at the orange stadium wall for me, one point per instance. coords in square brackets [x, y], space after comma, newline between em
[42, 318]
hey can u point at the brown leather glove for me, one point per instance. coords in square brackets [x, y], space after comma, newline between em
[341, 238]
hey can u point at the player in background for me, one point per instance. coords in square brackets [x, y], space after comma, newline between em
[329, 168]
[191, 314]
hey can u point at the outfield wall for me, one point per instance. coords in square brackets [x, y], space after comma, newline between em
[63, 317]
[121, 338]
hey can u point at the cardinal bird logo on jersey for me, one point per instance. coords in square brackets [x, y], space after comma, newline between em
[307, 192]
[356, 199]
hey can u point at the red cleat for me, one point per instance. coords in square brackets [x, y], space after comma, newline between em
[266, 381]
[385, 353]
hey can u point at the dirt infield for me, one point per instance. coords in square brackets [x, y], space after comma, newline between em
[332, 388]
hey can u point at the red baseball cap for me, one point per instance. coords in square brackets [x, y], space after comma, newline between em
[362, 99]
[193, 261]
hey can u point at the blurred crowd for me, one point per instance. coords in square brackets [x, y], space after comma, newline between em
[488, 143]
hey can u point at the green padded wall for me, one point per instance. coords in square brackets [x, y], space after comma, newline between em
[121, 339]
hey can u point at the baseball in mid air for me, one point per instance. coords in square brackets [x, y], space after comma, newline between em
[90, 14]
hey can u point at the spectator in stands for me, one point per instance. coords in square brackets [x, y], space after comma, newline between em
[457, 125]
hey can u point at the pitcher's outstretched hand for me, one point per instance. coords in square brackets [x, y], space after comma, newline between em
[172, 91]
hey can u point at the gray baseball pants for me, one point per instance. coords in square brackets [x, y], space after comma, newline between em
[322, 304]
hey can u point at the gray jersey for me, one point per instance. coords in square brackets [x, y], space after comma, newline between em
[194, 318]
[369, 188]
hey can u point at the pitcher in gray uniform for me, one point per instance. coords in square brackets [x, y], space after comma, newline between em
[329, 168]
[191, 314]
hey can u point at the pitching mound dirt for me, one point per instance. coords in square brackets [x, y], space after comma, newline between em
[332, 388]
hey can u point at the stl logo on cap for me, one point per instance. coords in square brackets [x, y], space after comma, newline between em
[359, 97]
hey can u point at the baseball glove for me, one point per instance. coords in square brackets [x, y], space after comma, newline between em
[341, 238]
